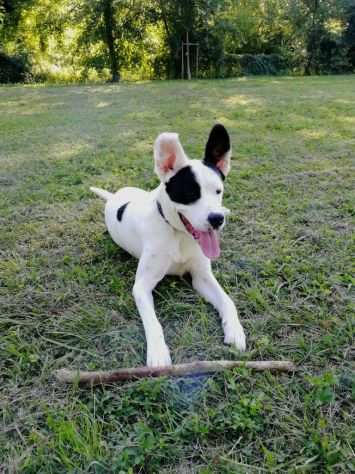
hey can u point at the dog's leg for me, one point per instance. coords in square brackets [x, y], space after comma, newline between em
[151, 269]
[206, 284]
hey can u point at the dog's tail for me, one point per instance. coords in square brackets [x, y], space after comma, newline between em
[101, 193]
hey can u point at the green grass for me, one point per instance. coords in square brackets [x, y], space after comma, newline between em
[287, 261]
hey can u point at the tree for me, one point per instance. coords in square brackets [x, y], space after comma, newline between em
[110, 32]
[195, 17]
[349, 32]
[109, 36]
[316, 44]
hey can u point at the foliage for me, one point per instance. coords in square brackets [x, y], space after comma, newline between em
[197, 18]
[318, 25]
[112, 33]
[106, 39]
[349, 33]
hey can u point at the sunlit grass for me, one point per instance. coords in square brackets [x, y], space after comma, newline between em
[65, 288]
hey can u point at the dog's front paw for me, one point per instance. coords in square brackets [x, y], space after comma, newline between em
[234, 334]
[158, 356]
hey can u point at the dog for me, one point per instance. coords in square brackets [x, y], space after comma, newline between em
[174, 230]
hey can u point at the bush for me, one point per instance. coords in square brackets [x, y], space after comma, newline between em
[14, 68]
[262, 64]
[333, 56]
[256, 64]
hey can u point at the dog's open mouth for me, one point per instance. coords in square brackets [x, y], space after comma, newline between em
[208, 240]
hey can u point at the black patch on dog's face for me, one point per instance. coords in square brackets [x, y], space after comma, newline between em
[120, 211]
[183, 187]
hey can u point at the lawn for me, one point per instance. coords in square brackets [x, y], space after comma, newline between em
[287, 261]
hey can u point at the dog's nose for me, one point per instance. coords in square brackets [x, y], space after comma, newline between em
[215, 219]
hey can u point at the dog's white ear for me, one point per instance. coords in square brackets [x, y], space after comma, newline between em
[218, 149]
[169, 155]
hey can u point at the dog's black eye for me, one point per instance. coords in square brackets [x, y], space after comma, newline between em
[218, 191]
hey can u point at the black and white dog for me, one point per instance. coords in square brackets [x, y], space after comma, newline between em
[174, 230]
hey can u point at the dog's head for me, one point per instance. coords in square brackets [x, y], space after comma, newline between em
[195, 187]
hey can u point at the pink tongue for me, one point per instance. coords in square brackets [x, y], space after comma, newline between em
[209, 243]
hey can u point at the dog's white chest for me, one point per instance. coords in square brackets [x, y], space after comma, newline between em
[183, 250]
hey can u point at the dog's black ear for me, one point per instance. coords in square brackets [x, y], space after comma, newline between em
[218, 149]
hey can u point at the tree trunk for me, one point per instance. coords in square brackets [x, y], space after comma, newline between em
[312, 40]
[165, 20]
[110, 41]
[188, 56]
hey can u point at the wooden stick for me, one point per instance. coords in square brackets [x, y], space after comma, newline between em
[192, 368]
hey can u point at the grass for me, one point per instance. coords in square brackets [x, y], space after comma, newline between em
[287, 260]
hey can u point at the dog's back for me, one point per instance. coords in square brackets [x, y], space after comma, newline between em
[126, 211]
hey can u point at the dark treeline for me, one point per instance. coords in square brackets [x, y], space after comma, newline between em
[80, 40]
